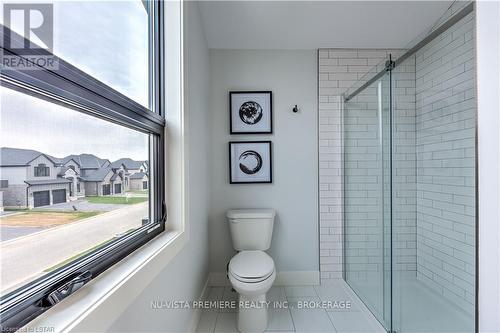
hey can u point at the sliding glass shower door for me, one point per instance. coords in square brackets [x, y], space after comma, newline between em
[410, 185]
[367, 196]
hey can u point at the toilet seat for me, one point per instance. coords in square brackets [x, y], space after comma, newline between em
[251, 266]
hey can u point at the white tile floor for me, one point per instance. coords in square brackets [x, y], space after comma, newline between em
[293, 319]
[417, 308]
[423, 310]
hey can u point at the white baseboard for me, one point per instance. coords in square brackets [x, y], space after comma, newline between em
[286, 278]
[195, 318]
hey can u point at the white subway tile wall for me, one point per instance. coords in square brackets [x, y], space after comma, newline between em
[404, 169]
[338, 69]
[446, 109]
[365, 186]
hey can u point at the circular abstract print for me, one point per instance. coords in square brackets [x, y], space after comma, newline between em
[250, 162]
[250, 112]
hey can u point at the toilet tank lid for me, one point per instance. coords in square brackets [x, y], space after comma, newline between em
[250, 213]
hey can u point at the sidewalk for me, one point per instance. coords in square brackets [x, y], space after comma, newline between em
[27, 257]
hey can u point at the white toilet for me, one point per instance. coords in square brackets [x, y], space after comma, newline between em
[251, 271]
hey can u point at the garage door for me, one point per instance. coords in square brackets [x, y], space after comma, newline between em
[106, 189]
[41, 198]
[58, 196]
[118, 188]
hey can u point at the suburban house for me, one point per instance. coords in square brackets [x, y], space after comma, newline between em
[104, 181]
[29, 178]
[139, 181]
[128, 167]
[87, 163]
[131, 165]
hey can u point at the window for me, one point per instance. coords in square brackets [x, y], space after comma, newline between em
[94, 113]
[42, 170]
[4, 183]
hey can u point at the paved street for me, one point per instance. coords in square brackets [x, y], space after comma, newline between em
[26, 258]
[11, 232]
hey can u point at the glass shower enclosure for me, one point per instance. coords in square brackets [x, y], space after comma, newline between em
[409, 155]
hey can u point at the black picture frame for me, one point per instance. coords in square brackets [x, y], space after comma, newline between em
[270, 164]
[232, 119]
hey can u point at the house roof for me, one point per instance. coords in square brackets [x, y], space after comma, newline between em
[98, 175]
[86, 161]
[128, 163]
[138, 175]
[115, 176]
[63, 170]
[47, 181]
[20, 157]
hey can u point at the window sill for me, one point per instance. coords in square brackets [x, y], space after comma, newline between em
[99, 303]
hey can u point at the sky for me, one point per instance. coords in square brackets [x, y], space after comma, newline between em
[107, 40]
[31, 123]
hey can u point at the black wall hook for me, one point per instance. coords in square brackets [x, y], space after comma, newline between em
[295, 109]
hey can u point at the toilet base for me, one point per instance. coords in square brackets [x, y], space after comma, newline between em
[251, 319]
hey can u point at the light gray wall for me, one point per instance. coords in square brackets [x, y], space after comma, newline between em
[184, 277]
[291, 76]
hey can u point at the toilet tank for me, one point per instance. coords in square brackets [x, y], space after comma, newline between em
[251, 229]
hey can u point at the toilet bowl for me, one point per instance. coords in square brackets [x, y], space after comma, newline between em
[251, 271]
[252, 275]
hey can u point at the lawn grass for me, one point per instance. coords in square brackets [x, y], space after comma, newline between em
[44, 218]
[116, 200]
[138, 191]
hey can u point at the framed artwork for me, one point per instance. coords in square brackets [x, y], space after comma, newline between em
[251, 112]
[250, 162]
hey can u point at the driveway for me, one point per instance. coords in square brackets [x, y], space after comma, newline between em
[11, 232]
[25, 258]
[7, 232]
[83, 206]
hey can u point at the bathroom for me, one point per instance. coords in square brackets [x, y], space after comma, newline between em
[387, 196]
[363, 201]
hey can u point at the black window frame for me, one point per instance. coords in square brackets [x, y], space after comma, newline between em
[41, 170]
[75, 89]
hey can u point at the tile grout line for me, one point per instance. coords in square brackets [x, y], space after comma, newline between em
[216, 319]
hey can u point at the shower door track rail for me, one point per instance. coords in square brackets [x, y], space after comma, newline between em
[442, 28]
